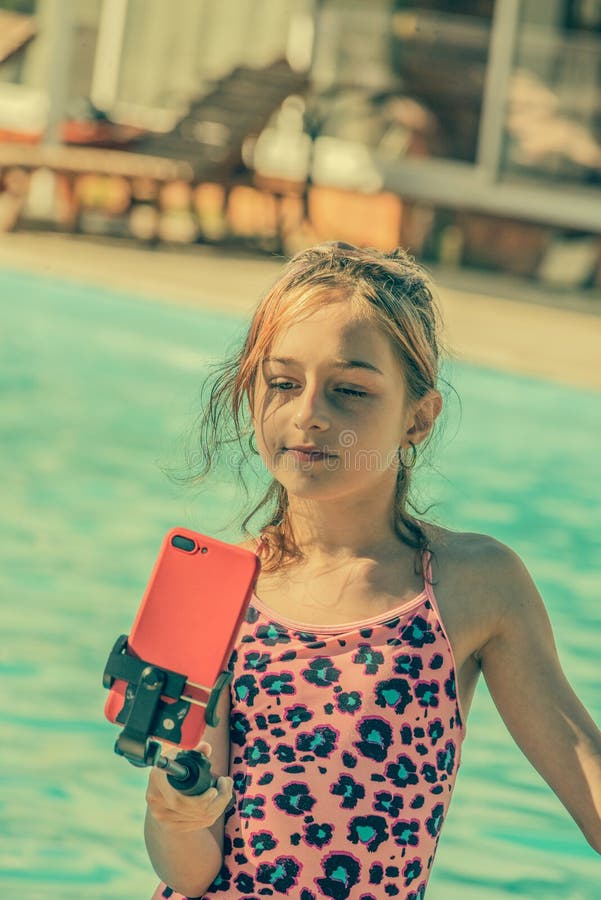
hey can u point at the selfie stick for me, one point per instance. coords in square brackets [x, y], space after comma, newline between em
[146, 711]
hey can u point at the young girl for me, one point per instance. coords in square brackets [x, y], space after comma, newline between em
[353, 674]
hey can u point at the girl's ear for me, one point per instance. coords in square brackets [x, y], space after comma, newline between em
[423, 416]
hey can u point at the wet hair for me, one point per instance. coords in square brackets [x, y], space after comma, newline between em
[389, 290]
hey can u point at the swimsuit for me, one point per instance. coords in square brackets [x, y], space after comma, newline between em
[345, 746]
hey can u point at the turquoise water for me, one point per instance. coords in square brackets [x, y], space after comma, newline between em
[98, 388]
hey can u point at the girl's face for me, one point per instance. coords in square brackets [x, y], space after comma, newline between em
[331, 383]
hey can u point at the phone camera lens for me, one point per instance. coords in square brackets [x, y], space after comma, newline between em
[183, 543]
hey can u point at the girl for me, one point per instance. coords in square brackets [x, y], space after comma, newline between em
[354, 671]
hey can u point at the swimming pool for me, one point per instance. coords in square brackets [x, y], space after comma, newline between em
[98, 389]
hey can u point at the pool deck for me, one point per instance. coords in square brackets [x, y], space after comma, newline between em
[489, 320]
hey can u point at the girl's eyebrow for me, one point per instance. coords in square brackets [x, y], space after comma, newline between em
[337, 363]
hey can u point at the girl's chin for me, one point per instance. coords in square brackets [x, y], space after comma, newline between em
[319, 485]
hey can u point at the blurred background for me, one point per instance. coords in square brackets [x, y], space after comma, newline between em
[467, 131]
[159, 161]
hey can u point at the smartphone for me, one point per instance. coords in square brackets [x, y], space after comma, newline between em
[187, 622]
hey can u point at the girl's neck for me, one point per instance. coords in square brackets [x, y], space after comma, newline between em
[326, 539]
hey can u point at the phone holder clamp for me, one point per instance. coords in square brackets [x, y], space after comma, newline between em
[154, 703]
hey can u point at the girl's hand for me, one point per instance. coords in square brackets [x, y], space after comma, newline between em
[179, 813]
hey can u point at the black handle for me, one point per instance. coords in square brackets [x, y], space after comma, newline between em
[192, 773]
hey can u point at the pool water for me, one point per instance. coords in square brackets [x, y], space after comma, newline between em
[98, 389]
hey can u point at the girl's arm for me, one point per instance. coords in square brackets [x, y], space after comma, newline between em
[539, 707]
[184, 835]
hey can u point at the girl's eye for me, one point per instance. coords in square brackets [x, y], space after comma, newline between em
[279, 385]
[285, 386]
[351, 393]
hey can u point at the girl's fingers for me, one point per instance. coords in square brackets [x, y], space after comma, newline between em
[205, 747]
[189, 813]
[222, 792]
[225, 784]
[160, 794]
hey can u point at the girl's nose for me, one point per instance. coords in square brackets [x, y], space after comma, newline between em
[310, 412]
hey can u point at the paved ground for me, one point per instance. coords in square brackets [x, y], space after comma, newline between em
[490, 320]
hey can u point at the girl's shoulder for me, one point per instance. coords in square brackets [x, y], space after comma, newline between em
[251, 544]
[471, 553]
[479, 582]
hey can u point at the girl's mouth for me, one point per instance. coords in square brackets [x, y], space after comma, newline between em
[307, 455]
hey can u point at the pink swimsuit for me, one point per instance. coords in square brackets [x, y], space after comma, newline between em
[345, 745]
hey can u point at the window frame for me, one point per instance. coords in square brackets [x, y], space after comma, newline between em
[482, 186]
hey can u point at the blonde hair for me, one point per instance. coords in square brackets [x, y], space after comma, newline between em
[391, 291]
